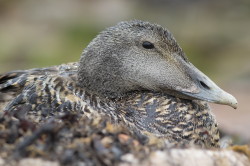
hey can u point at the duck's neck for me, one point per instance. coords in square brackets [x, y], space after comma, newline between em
[92, 104]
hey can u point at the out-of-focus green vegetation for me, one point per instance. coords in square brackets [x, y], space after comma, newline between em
[64, 45]
[214, 34]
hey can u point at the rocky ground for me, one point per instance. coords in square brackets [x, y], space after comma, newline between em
[71, 139]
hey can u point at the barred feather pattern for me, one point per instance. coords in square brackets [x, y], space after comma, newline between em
[179, 121]
[46, 92]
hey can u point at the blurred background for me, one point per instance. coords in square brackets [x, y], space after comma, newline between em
[214, 34]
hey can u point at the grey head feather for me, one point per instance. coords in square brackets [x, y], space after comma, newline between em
[116, 63]
[106, 64]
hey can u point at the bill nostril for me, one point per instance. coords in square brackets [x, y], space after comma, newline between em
[204, 85]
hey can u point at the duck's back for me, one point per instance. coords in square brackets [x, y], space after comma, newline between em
[41, 91]
[45, 92]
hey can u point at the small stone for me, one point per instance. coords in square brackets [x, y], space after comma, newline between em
[37, 162]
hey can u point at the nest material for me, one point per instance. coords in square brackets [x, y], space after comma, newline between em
[72, 140]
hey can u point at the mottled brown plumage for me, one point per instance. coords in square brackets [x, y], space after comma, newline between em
[48, 92]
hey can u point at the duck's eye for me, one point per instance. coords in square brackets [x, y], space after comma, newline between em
[148, 45]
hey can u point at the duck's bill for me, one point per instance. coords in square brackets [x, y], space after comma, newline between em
[205, 89]
[216, 95]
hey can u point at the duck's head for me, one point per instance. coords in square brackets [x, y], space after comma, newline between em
[138, 55]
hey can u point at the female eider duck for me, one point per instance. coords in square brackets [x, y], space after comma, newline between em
[134, 72]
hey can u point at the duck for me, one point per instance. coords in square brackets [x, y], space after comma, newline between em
[135, 73]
